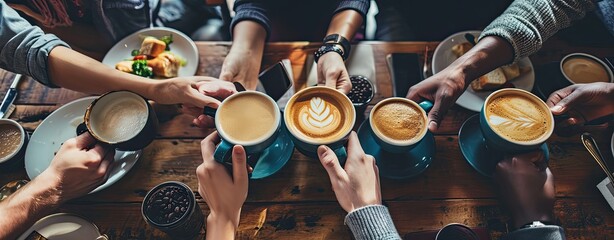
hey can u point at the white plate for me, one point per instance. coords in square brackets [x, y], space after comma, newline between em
[182, 45]
[63, 226]
[60, 126]
[443, 57]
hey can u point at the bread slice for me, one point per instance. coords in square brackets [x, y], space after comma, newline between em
[492, 80]
[152, 46]
[124, 66]
[165, 65]
[511, 71]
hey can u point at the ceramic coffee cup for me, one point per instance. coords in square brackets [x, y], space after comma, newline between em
[13, 141]
[578, 68]
[399, 124]
[122, 119]
[250, 119]
[456, 231]
[514, 120]
[318, 116]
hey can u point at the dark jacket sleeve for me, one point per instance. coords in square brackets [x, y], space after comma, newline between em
[257, 11]
[25, 48]
[542, 233]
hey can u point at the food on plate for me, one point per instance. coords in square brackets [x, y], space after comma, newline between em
[495, 79]
[153, 59]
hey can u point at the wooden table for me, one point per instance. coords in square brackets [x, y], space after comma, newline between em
[298, 203]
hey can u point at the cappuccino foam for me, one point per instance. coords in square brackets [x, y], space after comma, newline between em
[399, 121]
[119, 120]
[518, 117]
[319, 116]
[247, 118]
[10, 139]
[585, 70]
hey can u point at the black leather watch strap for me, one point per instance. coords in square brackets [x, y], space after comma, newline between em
[326, 48]
[338, 39]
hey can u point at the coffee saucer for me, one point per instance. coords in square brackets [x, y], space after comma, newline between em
[60, 126]
[273, 158]
[473, 147]
[398, 165]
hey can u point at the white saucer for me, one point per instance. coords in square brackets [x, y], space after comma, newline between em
[612, 143]
[60, 126]
[182, 45]
[443, 57]
[63, 226]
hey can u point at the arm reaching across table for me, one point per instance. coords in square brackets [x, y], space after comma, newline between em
[79, 167]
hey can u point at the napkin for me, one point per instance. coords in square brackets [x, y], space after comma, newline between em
[360, 62]
[606, 188]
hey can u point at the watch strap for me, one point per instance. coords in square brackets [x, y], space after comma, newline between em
[326, 48]
[338, 39]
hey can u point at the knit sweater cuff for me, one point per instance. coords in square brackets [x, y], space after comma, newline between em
[371, 222]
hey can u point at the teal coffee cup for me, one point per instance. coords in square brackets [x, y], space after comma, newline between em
[399, 124]
[515, 121]
[250, 119]
[318, 116]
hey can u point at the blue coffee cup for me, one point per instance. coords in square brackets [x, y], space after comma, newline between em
[250, 119]
[517, 116]
[318, 116]
[388, 143]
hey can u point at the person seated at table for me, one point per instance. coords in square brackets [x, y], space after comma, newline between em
[519, 32]
[256, 21]
[92, 27]
[26, 49]
[527, 181]
[80, 166]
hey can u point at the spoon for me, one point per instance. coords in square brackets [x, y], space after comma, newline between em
[592, 148]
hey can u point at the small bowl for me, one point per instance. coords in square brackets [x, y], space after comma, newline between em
[18, 153]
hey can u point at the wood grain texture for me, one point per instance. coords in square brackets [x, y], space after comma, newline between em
[299, 200]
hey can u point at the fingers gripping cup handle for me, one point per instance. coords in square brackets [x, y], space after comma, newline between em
[426, 105]
[342, 154]
[223, 152]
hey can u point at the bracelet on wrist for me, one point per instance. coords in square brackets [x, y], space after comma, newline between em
[341, 41]
[326, 48]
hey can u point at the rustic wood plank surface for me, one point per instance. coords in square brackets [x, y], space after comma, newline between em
[298, 199]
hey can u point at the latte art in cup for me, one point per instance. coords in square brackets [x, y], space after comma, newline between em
[519, 118]
[319, 115]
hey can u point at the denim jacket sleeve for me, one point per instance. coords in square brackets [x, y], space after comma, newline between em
[256, 10]
[25, 48]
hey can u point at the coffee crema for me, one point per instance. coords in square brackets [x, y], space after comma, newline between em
[319, 116]
[247, 118]
[118, 120]
[518, 118]
[399, 121]
[582, 69]
[10, 139]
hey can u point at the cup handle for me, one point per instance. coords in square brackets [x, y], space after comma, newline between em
[81, 129]
[342, 155]
[223, 152]
[426, 105]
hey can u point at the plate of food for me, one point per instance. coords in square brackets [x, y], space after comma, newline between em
[518, 75]
[60, 126]
[157, 53]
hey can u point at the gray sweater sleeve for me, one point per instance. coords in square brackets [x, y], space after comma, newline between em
[25, 48]
[527, 24]
[372, 223]
[542, 233]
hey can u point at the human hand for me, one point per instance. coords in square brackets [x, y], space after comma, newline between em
[224, 193]
[527, 187]
[582, 102]
[442, 89]
[218, 90]
[241, 65]
[333, 73]
[357, 184]
[80, 166]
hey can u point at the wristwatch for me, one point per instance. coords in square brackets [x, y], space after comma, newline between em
[343, 42]
[326, 48]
